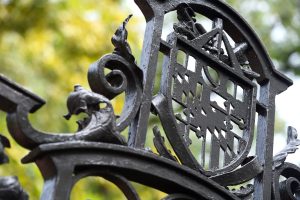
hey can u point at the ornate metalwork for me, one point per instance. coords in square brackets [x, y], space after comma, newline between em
[209, 91]
[289, 187]
[291, 147]
[196, 90]
[10, 187]
[101, 123]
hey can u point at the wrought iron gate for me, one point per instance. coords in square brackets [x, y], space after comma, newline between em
[213, 83]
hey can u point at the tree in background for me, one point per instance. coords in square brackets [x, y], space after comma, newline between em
[278, 25]
[47, 46]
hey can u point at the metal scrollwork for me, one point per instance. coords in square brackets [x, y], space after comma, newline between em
[287, 188]
[125, 76]
[99, 126]
[292, 145]
[207, 100]
[202, 89]
[159, 143]
[101, 123]
[10, 187]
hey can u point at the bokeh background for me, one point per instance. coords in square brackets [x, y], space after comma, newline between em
[48, 45]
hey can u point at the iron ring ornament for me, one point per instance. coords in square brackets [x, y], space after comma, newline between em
[214, 81]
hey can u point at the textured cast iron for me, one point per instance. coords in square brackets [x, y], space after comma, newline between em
[213, 82]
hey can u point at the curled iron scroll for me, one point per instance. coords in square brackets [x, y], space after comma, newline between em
[250, 168]
[288, 189]
[124, 77]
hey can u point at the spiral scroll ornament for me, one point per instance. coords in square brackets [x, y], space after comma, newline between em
[286, 176]
[289, 188]
[125, 76]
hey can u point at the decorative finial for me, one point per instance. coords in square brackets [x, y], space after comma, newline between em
[292, 146]
[119, 40]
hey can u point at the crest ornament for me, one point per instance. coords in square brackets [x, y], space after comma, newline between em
[215, 96]
[217, 83]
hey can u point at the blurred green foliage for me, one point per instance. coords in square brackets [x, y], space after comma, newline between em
[47, 46]
[278, 25]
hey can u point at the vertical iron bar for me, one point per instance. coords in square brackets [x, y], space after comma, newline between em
[138, 129]
[264, 143]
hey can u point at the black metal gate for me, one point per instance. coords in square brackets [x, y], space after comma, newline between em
[209, 91]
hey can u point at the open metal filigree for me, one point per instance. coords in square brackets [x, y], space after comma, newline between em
[214, 81]
[215, 95]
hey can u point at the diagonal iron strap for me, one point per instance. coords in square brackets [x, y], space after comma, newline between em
[249, 169]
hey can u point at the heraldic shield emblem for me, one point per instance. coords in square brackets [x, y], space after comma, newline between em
[217, 83]
[209, 92]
